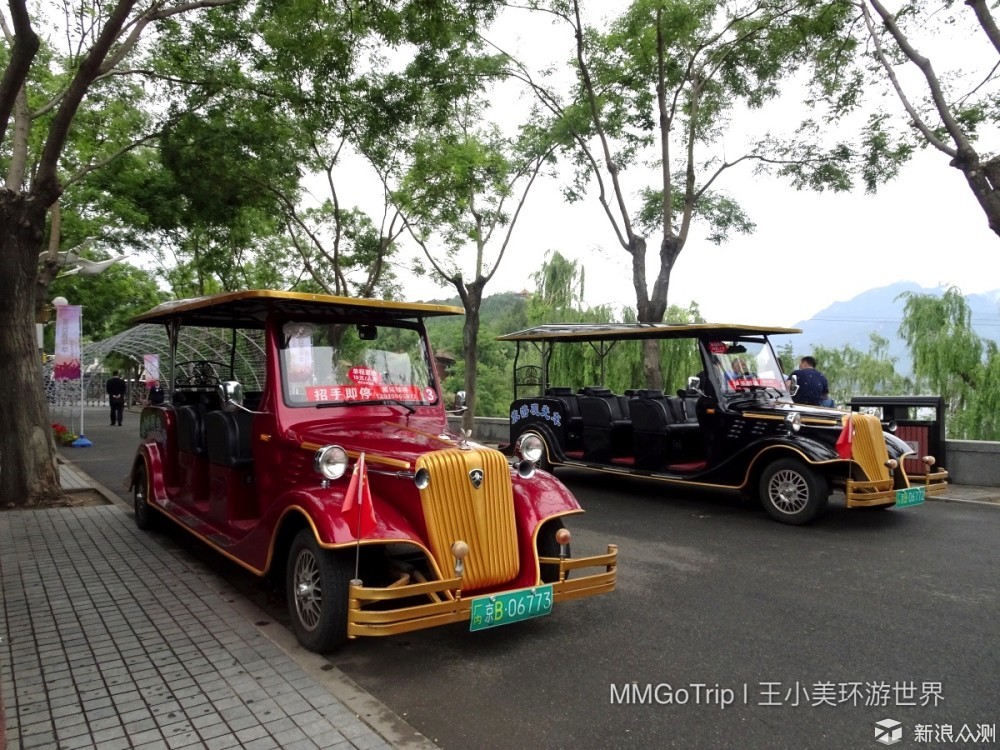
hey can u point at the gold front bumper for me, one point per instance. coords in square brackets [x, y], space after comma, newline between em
[446, 605]
[882, 492]
[869, 452]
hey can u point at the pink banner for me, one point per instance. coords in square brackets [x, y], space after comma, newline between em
[67, 360]
[151, 364]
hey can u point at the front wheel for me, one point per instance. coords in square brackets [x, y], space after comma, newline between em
[145, 517]
[791, 492]
[318, 588]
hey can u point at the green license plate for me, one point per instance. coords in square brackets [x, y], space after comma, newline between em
[493, 610]
[910, 496]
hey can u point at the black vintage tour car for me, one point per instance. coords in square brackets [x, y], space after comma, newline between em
[733, 428]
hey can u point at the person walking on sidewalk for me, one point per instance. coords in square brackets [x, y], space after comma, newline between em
[116, 396]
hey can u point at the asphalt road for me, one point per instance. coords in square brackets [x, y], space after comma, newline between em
[817, 631]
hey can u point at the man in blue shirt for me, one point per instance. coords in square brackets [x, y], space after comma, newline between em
[813, 388]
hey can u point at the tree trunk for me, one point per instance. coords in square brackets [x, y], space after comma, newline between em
[651, 309]
[985, 184]
[28, 471]
[470, 343]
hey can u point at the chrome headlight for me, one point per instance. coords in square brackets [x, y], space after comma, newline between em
[793, 421]
[530, 446]
[330, 461]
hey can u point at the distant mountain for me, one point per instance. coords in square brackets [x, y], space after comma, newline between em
[880, 311]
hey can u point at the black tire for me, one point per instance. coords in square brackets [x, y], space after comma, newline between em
[317, 586]
[549, 547]
[145, 516]
[791, 492]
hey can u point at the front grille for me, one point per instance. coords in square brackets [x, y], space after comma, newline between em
[869, 446]
[484, 517]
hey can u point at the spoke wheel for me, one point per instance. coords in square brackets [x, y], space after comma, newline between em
[791, 492]
[145, 517]
[318, 585]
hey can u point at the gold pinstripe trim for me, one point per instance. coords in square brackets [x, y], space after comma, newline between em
[624, 471]
[396, 463]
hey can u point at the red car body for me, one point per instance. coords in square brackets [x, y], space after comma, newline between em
[265, 486]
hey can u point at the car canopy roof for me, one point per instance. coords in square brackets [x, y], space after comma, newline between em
[632, 331]
[250, 309]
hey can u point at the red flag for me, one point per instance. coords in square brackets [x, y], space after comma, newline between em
[845, 443]
[359, 491]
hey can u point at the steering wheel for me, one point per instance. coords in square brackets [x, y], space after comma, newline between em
[199, 372]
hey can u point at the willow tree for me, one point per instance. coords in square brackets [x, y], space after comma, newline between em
[661, 86]
[952, 361]
[853, 372]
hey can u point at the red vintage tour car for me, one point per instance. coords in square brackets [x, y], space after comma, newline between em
[255, 456]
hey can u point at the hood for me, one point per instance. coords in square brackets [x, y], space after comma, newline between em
[785, 407]
[389, 438]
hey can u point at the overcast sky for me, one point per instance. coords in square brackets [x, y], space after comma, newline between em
[809, 249]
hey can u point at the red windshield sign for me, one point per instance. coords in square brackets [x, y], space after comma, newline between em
[346, 393]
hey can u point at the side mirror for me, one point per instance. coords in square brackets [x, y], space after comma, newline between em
[460, 406]
[694, 383]
[794, 387]
[231, 395]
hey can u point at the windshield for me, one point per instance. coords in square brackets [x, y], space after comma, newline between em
[346, 363]
[746, 365]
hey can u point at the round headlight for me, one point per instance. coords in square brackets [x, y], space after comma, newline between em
[330, 461]
[793, 421]
[890, 426]
[530, 446]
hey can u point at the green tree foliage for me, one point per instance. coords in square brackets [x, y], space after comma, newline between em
[559, 299]
[501, 313]
[109, 299]
[220, 87]
[461, 198]
[951, 360]
[852, 372]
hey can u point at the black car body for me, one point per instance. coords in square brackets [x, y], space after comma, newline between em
[734, 427]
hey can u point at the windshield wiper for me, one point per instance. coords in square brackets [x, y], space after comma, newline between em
[383, 401]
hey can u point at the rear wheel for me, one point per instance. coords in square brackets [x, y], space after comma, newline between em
[791, 492]
[318, 587]
[145, 517]
[549, 547]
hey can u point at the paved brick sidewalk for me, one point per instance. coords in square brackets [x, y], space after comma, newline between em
[109, 641]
